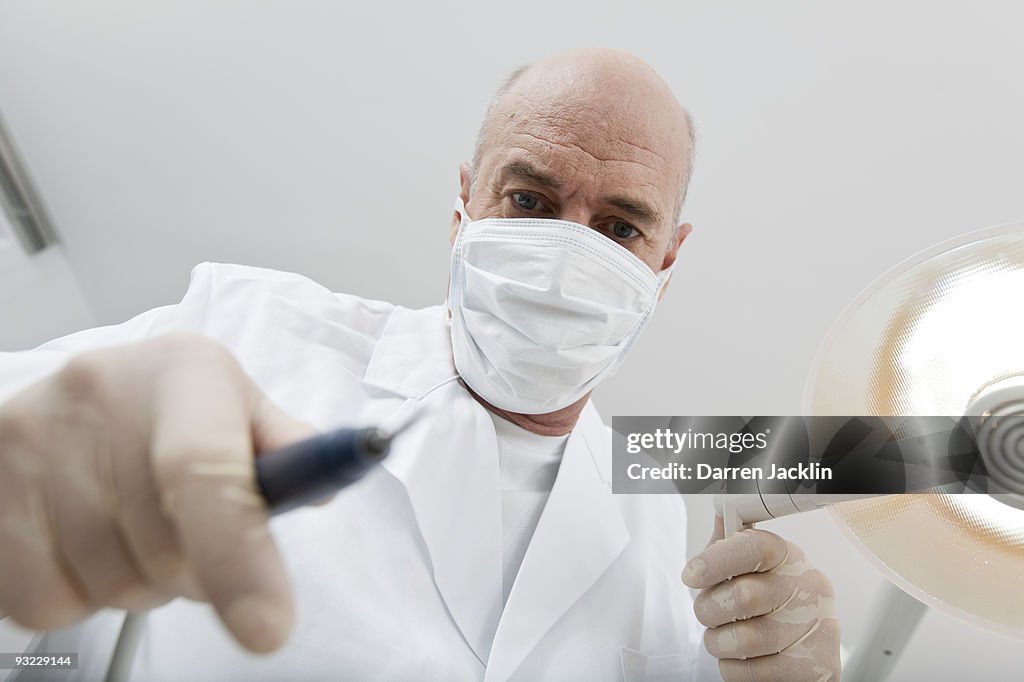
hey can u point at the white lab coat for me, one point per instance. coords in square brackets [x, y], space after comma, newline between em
[399, 578]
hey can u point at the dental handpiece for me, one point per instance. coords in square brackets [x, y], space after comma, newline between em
[317, 467]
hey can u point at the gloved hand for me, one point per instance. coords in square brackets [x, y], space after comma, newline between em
[770, 614]
[126, 479]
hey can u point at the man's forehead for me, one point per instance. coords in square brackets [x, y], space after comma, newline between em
[590, 137]
[590, 121]
[596, 91]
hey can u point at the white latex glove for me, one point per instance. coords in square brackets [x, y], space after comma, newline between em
[770, 614]
[126, 479]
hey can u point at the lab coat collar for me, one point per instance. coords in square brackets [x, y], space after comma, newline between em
[414, 353]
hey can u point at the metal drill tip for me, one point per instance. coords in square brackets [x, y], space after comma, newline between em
[401, 420]
[376, 443]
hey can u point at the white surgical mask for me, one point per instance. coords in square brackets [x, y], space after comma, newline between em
[543, 310]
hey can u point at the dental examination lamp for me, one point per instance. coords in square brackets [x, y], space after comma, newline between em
[940, 334]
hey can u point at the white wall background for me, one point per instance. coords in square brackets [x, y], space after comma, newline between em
[40, 298]
[324, 137]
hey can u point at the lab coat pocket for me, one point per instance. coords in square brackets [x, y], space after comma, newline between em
[639, 667]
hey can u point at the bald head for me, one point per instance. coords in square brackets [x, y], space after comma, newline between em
[603, 99]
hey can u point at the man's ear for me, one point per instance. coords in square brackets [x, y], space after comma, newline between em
[465, 180]
[672, 252]
[682, 232]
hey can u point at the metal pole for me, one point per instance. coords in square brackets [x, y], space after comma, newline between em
[21, 202]
[894, 617]
[127, 643]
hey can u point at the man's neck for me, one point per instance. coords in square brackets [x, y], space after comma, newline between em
[557, 423]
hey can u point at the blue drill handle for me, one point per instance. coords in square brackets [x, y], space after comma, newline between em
[312, 469]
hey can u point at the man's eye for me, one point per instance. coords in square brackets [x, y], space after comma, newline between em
[525, 201]
[624, 230]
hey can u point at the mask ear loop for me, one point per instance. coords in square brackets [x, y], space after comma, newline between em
[455, 268]
[460, 208]
[464, 220]
[664, 276]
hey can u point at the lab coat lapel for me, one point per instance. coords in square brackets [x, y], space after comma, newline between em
[580, 533]
[448, 464]
[450, 472]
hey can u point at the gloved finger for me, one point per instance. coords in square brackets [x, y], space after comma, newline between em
[811, 600]
[35, 591]
[88, 537]
[148, 533]
[83, 500]
[746, 596]
[749, 551]
[202, 454]
[761, 636]
[815, 658]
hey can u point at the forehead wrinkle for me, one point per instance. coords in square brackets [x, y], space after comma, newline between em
[574, 145]
[582, 120]
[582, 127]
[636, 145]
[582, 123]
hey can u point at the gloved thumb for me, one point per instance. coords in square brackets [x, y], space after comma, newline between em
[273, 428]
[718, 533]
[695, 567]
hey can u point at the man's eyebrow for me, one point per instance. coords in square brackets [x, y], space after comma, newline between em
[524, 171]
[637, 209]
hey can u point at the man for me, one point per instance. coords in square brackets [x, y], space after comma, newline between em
[489, 545]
